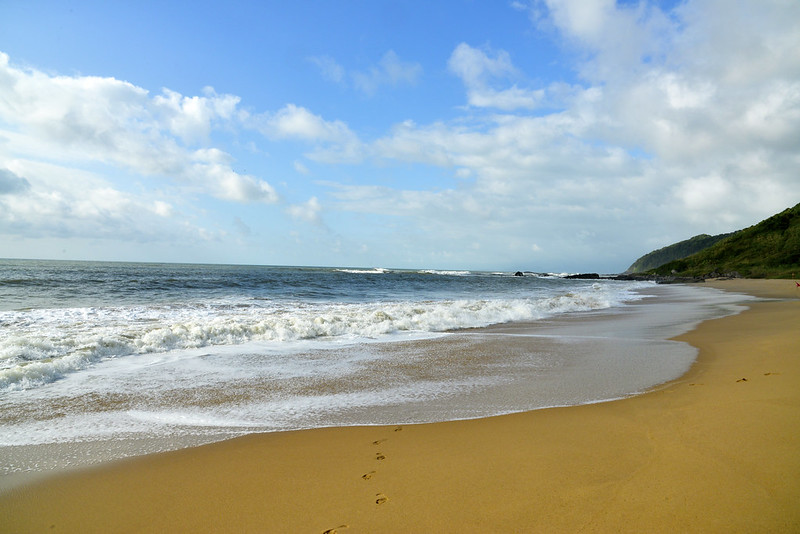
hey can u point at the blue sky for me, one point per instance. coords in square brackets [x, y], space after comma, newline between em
[540, 135]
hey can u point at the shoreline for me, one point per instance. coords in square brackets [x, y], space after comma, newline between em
[706, 452]
[564, 360]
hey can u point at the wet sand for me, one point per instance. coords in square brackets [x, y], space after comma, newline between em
[717, 450]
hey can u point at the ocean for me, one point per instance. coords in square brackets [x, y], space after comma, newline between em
[104, 360]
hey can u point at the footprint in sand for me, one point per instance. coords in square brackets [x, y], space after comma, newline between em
[742, 380]
[334, 530]
[381, 498]
[378, 441]
[379, 456]
[367, 476]
[769, 374]
[398, 429]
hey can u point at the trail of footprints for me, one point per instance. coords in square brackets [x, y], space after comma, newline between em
[380, 498]
[738, 381]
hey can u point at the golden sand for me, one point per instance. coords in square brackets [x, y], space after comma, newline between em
[715, 451]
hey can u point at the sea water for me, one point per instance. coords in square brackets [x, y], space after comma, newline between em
[163, 355]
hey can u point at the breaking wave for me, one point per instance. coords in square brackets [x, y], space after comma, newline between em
[40, 346]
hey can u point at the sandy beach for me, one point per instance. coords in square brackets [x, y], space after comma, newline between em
[717, 450]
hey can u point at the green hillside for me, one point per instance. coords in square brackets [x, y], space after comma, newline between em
[769, 249]
[674, 252]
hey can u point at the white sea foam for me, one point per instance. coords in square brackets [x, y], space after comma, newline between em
[40, 346]
[446, 273]
[376, 270]
[280, 412]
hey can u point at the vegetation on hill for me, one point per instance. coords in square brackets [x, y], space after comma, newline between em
[674, 252]
[769, 249]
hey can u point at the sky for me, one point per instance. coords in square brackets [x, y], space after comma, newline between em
[542, 135]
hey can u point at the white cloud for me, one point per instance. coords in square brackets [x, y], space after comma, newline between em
[297, 122]
[588, 20]
[478, 70]
[474, 66]
[704, 194]
[507, 99]
[190, 118]
[616, 37]
[334, 141]
[660, 136]
[511, 154]
[237, 187]
[706, 90]
[70, 203]
[86, 120]
[390, 70]
[163, 209]
[308, 211]
[76, 149]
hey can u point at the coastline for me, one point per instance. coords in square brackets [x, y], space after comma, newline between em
[706, 452]
[587, 356]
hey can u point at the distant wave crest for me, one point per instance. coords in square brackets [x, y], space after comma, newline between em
[376, 270]
[446, 273]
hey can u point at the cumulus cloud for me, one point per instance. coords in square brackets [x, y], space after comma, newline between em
[655, 124]
[333, 140]
[525, 168]
[242, 188]
[297, 122]
[677, 121]
[474, 66]
[85, 119]
[64, 202]
[479, 69]
[191, 117]
[671, 126]
[76, 150]
[712, 105]
[614, 38]
[308, 211]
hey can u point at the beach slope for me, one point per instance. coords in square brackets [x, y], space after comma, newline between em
[715, 451]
